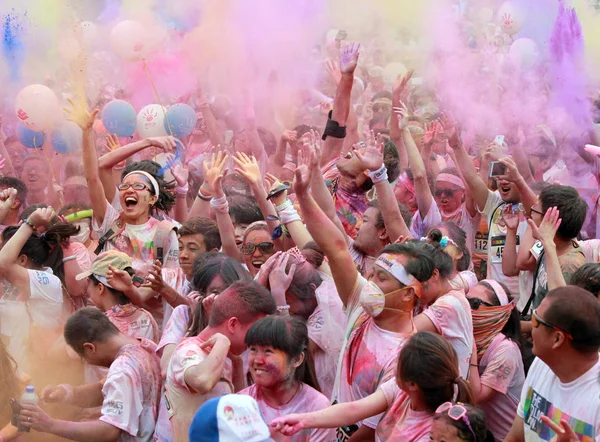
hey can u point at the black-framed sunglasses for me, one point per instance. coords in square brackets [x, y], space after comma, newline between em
[441, 192]
[536, 321]
[136, 186]
[263, 247]
[475, 303]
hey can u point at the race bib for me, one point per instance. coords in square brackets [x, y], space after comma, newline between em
[497, 244]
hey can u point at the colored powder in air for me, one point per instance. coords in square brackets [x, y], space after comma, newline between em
[13, 49]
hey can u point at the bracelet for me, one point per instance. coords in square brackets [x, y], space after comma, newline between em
[182, 190]
[220, 204]
[283, 308]
[69, 258]
[474, 365]
[378, 175]
[69, 389]
[287, 203]
[289, 215]
[30, 224]
[204, 196]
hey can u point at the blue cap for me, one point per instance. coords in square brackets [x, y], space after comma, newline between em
[229, 418]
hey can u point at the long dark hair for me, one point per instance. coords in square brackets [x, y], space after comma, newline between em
[46, 249]
[166, 199]
[512, 329]
[290, 335]
[221, 265]
[429, 361]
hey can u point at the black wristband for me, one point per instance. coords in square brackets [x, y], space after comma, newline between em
[333, 128]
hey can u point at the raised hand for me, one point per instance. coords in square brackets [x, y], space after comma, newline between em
[399, 92]
[248, 168]
[564, 433]
[512, 171]
[214, 167]
[79, 114]
[349, 58]
[273, 183]
[370, 155]
[120, 280]
[155, 281]
[334, 71]
[112, 142]
[7, 198]
[451, 129]
[511, 219]
[402, 112]
[547, 230]
[42, 217]
[431, 134]
[265, 270]
[167, 144]
[289, 136]
[181, 174]
[279, 280]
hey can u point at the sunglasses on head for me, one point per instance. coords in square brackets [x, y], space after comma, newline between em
[136, 186]
[456, 412]
[475, 303]
[536, 321]
[441, 192]
[263, 247]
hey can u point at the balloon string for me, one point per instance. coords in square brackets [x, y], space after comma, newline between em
[157, 98]
[51, 171]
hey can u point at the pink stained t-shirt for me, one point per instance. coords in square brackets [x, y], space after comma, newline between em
[134, 321]
[400, 422]
[501, 368]
[131, 392]
[182, 400]
[451, 316]
[369, 358]
[305, 401]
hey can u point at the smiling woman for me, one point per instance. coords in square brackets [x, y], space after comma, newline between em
[258, 246]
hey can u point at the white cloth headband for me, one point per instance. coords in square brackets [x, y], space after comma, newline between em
[498, 290]
[150, 178]
[396, 269]
[452, 179]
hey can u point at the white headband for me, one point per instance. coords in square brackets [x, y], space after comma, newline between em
[396, 269]
[103, 280]
[498, 290]
[452, 179]
[150, 178]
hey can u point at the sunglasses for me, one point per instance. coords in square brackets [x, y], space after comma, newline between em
[263, 247]
[475, 303]
[136, 186]
[381, 108]
[536, 321]
[456, 412]
[441, 192]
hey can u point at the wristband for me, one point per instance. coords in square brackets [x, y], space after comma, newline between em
[220, 204]
[69, 389]
[289, 215]
[69, 258]
[333, 128]
[203, 195]
[182, 190]
[378, 175]
[283, 309]
[30, 224]
[287, 203]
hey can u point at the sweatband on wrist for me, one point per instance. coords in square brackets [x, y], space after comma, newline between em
[69, 258]
[220, 204]
[182, 190]
[379, 175]
[287, 203]
[333, 128]
[289, 215]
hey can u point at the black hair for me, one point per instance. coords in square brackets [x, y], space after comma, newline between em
[245, 212]
[404, 211]
[32, 208]
[429, 361]
[477, 422]
[577, 312]
[587, 277]
[166, 199]
[290, 335]
[430, 179]
[457, 235]
[442, 261]
[391, 160]
[46, 249]
[571, 206]
[420, 265]
[7, 182]
[244, 300]
[88, 324]
[205, 227]
[512, 329]
[302, 129]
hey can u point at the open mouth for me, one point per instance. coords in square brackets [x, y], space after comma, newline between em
[260, 371]
[33, 179]
[505, 189]
[130, 202]
[257, 264]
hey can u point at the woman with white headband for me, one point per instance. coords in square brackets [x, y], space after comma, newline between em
[496, 372]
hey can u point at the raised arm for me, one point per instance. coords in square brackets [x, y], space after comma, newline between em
[181, 175]
[509, 253]
[212, 169]
[528, 196]
[398, 95]
[8, 169]
[220, 207]
[327, 236]
[545, 233]
[342, 101]
[203, 377]
[80, 115]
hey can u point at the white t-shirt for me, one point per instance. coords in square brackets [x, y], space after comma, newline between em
[468, 223]
[182, 401]
[400, 422]
[501, 368]
[497, 239]
[451, 315]
[577, 402]
[420, 226]
[591, 249]
[305, 401]
[368, 358]
[131, 392]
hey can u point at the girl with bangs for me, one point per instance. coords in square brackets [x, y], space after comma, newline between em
[283, 373]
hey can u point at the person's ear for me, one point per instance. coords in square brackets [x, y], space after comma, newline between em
[411, 386]
[382, 234]
[22, 260]
[559, 339]
[89, 346]
[297, 361]
[232, 325]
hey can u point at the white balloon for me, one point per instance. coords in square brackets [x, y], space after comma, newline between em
[392, 71]
[150, 121]
[524, 53]
[130, 40]
[511, 17]
[37, 107]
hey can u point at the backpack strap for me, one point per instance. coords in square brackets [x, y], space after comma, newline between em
[115, 230]
[161, 238]
[525, 311]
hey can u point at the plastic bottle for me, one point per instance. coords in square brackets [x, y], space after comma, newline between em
[29, 397]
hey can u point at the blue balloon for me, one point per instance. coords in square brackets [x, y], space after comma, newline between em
[67, 138]
[30, 138]
[119, 117]
[180, 120]
[183, 18]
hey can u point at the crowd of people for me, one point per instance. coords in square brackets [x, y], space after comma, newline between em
[371, 274]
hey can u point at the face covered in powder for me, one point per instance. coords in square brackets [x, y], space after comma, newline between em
[137, 196]
[448, 197]
[270, 367]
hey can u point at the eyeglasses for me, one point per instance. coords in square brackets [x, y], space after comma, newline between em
[441, 192]
[536, 211]
[136, 186]
[536, 321]
[475, 303]
[456, 412]
[263, 247]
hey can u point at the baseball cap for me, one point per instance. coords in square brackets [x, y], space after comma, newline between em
[229, 418]
[113, 258]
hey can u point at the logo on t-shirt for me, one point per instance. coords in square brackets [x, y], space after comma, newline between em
[537, 406]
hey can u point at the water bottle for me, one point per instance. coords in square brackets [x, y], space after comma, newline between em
[30, 398]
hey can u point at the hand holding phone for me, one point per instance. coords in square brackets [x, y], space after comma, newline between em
[497, 169]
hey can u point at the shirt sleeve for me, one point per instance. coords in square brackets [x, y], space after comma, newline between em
[533, 374]
[176, 327]
[110, 216]
[390, 390]
[82, 255]
[493, 201]
[45, 286]
[122, 406]
[421, 225]
[443, 314]
[502, 367]
[184, 358]
[172, 252]
[353, 302]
